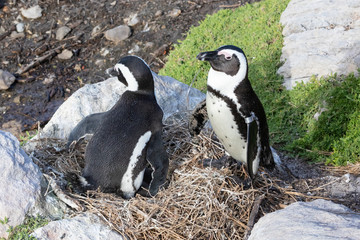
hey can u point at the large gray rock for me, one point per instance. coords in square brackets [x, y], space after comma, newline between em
[85, 226]
[22, 186]
[172, 96]
[19, 182]
[321, 37]
[317, 220]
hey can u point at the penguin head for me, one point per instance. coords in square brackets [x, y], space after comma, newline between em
[134, 73]
[228, 59]
[228, 69]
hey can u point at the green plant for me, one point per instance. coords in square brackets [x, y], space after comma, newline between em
[4, 221]
[24, 230]
[335, 133]
[25, 138]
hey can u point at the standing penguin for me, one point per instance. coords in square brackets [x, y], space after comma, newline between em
[127, 138]
[235, 112]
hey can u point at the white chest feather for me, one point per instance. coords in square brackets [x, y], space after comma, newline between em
[128, 185]
[224, 125]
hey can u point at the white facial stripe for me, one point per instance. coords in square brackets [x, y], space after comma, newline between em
[127, 181]
[130, 79]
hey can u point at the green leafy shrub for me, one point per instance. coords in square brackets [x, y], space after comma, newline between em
[24, 230]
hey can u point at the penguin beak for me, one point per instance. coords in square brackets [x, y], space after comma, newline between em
[207, 56]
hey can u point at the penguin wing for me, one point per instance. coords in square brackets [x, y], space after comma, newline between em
[198, 118]
[159, 162]
[252, 146]
[88, 125]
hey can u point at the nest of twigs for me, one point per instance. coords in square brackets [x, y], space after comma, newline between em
[199, 202]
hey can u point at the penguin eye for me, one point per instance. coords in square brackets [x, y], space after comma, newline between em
[228, 57]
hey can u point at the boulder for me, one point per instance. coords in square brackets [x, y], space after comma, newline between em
[84, 226]
[22, 187]
[321, 37]
[173, 97]
[317, 220]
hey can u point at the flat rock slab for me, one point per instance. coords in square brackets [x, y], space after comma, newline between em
[85, 226]
[321, 37]
[317, 220]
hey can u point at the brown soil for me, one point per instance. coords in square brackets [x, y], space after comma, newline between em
[30, 100]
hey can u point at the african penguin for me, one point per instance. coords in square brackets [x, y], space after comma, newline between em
[127, 138]
[235, 112]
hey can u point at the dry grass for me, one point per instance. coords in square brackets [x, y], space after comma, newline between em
[199, 202]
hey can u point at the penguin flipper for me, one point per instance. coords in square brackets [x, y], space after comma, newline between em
[159, 162]
[198, 118]
[252, 155]
[87, 125]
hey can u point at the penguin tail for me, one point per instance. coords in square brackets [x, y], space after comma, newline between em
[198, 118]
[268, 160]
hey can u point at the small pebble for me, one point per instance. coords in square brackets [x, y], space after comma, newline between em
[95, 30]
[174, 13]
[158, 13]
[62, 32]
[6, 79]
[65, 54]
[135, 49]
[32, 13]
[104, 52]
[15, 35]
[6, 9]
[133, 20]
[118, 34]
[20, 27]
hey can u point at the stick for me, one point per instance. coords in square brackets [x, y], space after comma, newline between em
[39, 60]
[60, 194]
[253, 214]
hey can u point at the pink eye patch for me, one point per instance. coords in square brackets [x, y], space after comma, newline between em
[226, 54]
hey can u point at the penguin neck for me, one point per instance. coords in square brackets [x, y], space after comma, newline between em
[226, 84]
[141, 92]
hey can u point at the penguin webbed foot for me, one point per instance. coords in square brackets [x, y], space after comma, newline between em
[198, 118]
